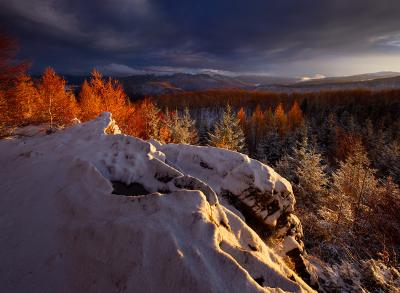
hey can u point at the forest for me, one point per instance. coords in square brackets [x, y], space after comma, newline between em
[339, 149]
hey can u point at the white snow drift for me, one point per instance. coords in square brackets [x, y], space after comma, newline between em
[63, 230]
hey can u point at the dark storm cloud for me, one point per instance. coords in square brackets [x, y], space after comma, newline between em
[263, 36]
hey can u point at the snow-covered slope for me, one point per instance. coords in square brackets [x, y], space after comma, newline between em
[64, 230]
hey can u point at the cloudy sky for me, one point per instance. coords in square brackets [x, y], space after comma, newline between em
[280, 37]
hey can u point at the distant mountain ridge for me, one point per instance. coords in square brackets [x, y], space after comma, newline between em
[151, 84]
[352, 78]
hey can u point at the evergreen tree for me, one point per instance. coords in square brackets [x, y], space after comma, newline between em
[286, 166]
[385, 210]
[227, 132]
[353, 183]
[327, 133]
[152, 121]
[182, 128]
[305, 171]
[189, 125]
[388, 160]
[203, 134]
[312, 180]
[269, 149]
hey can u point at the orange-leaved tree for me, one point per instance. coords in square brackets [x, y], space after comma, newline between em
[99, 95]
[24, 102]
[9, 72]
[295, 116]
[89, 101]
[280, 119]
[57, 105]
[241, 115]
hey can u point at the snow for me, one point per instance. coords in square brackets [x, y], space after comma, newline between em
[63, 229]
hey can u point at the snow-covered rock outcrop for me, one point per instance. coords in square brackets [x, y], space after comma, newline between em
[264, 197]
[237, 177]
[63, 228]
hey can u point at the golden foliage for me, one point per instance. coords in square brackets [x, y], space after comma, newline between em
[56, 105]
[280, 119]
[295, 116]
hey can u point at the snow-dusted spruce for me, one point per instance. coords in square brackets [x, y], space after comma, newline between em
[228, 133]
[63, 228]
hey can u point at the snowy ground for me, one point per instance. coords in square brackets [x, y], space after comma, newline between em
[63, 229]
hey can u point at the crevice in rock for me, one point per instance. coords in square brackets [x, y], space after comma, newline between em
[205, 165]
[133, 189]
[260, 281]
[256, 222]
[253, 248]
[301, 267]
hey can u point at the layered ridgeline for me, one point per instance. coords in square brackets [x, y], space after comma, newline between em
[87, 209]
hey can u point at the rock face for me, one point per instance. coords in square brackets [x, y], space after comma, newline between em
[88, 209]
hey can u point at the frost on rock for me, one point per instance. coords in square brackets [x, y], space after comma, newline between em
[63, 228]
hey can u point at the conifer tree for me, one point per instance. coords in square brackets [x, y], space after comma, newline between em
[305, 171]
[286, 167]
[312, 180]
[354, 182]
[385, 209]
[187, 133]
[203, 134]
[181, 127]
[327, 133]
[227, 132]
[388, 159]
[151, 119]
[269, 149]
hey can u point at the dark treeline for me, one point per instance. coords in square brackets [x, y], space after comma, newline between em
[362, 103]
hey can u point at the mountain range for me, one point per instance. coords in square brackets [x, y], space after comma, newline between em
[152, 84]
